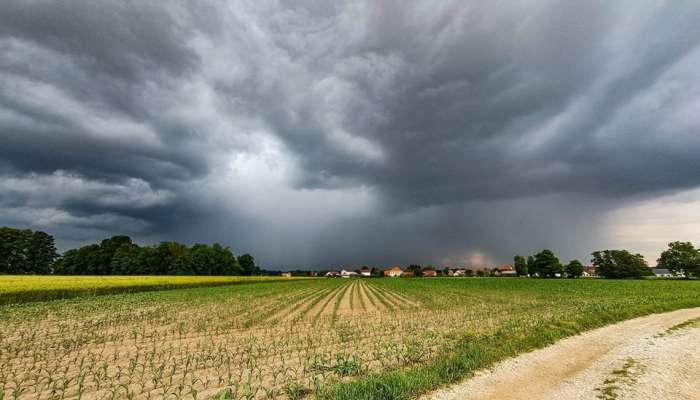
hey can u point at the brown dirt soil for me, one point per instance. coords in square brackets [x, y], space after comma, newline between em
[637, 359]
[345, 308]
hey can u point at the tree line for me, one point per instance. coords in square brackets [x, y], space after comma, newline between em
[23, 251]
[681, 259]
[34, 252]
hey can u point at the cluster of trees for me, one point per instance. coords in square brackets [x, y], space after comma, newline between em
[681, 258]
[619, 264]
[119, 255]
[546, 265]
[418, 269]
[27, 252]
[23, 251]
[614, 264]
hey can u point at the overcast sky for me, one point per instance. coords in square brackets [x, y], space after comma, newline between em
[324, 133]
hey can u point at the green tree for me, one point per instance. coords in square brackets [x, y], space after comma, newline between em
[574, 269]
[14, 248]
[175, 258]
[85, 260]
[203, 259]
[127, 261]
[108, 248]
[41, 253]
[228, 264]
[247, 263]
[620, 264]
[520, 265]
[681, 258]
[530, 265]
[150, 261]
[546, 264]
[416, 269]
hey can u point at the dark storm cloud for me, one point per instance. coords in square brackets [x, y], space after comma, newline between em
[321, 133]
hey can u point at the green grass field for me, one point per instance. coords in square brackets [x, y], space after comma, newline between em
[315, 338]
[27, 288]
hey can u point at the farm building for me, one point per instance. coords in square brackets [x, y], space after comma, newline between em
[365, 271]
[662, 273]
[589, 271]
[429, 272]
[505, 270]
[457, 272]
[347, 273]
[287, 274]
[394, 272]
[332, 274]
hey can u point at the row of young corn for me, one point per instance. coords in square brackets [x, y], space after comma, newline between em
[276, 340]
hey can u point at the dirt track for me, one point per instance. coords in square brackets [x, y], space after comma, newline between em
[637, 359]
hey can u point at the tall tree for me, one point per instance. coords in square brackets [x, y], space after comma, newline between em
[108, 249]
[126, 261]
[176, 258]
[681, 258]
[416, 269]
[530, 265]
[574, 269]
[619, 264]
[520, 265]
[546, 264]
[41, 254]
[14, 249]
[86, 260]
[247, 263]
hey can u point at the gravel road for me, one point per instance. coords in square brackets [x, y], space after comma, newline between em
[642, 359]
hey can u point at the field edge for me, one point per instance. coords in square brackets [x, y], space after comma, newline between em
[17, 297]
[473, 354]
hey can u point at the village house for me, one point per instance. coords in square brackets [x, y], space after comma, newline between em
[589, 271]
[347, 273]
[429, 272]
[393, 272]
[332, 274]
[662, 273]
[365, 271]
[505, 270]
[456, 272]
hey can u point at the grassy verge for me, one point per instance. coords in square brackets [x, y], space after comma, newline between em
[473, 353]
[15, 289]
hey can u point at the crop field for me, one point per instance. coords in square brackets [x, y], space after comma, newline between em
[316, 338]
[26, 288]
